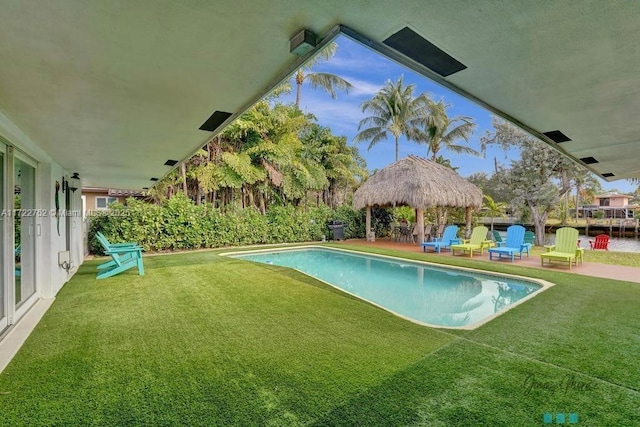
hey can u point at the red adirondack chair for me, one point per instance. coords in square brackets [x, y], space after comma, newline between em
[601, 242]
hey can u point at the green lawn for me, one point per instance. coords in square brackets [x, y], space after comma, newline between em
[212, 341]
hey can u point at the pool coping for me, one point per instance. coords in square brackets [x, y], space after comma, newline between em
[544, 284]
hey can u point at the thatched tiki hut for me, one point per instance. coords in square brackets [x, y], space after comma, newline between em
[419, 183]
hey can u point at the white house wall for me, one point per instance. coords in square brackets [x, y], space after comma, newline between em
[49, 276]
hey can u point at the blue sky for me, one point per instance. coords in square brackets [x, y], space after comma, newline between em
[368, 71]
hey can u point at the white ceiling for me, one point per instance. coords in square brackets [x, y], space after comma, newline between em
[113, 89]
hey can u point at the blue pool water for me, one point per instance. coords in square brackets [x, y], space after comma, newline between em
[426, 294]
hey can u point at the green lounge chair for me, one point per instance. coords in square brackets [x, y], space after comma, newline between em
[565, 248]
[514, 244]
[477, 242]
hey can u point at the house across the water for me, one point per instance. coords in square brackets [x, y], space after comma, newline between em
[611, 205]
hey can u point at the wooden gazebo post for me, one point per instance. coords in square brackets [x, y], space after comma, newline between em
[368, 233]
[467, 216]
[420, 224]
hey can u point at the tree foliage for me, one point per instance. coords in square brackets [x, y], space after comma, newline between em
[539, 179]
[328, 82]
[394, 112]
[442, 131]
[270, 155]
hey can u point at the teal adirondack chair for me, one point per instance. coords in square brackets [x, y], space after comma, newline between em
[449, 236]
[123, 257]
[514, 244]
[565, 248]
[477, 242]
[16, 254]
[99, 235]
[497, 238]
[529, 241]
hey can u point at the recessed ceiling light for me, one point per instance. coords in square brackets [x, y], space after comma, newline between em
[416, 47]
[170, 162]
[588, 160]
[556, 136]
[216, 119]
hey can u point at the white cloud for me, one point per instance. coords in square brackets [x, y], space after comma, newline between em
[341, 114]
[362, 87]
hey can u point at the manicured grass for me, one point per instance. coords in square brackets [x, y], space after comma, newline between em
[631, 259]
[206, 340]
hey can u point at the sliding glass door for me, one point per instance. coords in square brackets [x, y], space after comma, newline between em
[4, 291]
[25, 230]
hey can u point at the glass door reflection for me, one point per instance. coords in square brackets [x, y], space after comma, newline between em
[25, 231]
[4, 292]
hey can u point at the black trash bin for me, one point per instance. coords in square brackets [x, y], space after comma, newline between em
[337, 230]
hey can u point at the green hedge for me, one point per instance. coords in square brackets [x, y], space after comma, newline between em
[181, 224]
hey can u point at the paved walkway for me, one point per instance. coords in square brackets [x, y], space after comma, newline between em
[606, 271]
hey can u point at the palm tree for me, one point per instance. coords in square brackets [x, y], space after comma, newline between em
[327, 81]
[494, 208]
[587, 186]
[395, 111]
[443, 131]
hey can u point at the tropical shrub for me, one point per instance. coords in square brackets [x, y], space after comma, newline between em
[179, 224]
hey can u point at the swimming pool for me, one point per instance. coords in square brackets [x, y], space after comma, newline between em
[423, 293]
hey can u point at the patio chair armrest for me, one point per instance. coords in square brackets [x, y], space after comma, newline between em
[123, 250]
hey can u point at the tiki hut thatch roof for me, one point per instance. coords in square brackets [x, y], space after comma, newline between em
[419, 183]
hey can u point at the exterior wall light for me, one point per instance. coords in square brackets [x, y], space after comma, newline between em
[74, 182]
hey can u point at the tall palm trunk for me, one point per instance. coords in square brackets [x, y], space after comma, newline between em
[299, 81]
[183, 172]
[397, 148]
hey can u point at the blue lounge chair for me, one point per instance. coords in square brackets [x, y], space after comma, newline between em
[449, 236]
[514, 244]
[123, 257]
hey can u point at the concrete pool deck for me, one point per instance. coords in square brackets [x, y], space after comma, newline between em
[606, 271]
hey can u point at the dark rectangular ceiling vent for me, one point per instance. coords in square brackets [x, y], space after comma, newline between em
[556, 136]
[411, 44]
[145, 188]
[216, 119]
[588, 160]
[608, 175]
[171, 163]
[153, 179]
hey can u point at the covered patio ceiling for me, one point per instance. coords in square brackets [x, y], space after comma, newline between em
[113, 90]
